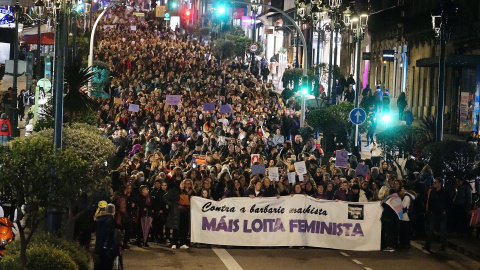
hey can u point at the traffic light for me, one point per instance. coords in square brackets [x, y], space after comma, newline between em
[172, 5]
[188, 12]
[305, 90]
[220, 8]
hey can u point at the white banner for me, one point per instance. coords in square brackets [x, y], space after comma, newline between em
[287, 221]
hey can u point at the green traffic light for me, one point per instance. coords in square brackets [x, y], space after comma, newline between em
[221, 10]
[304, 91]
[174, 5]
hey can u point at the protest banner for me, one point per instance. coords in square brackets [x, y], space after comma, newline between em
[341, 158]
[173, 100]
[287, 221]
[300, 168]
[133, 108]
[273, 174]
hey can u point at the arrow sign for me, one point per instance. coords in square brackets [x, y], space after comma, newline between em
[358, 116]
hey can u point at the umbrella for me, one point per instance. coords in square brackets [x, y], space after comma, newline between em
[146, 224]
[396, 204]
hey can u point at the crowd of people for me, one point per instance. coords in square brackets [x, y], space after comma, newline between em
[167, 153]
[158, 146]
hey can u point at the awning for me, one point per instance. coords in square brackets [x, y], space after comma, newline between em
[46, 39]
[451, 61]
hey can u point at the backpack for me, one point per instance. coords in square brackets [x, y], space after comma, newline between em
[4, 127]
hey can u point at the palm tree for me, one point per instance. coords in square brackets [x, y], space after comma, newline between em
[76, 101]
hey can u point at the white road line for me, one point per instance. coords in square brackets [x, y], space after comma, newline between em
[419, 247]
[344, 254]
[357, 261]
[368, 268]
[227, 259]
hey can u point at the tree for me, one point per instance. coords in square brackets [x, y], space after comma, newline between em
[76, 102]
[400, 141]
[88, 143]
[222, 49]
[38, 179]
[449, 157]
[334, 122]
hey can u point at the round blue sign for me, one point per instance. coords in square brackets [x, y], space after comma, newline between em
[358, 116]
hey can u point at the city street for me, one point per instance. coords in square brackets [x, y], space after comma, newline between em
[162, 257]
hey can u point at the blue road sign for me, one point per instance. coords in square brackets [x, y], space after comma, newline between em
[358, 116]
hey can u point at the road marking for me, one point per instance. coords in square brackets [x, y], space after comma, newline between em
[418, 246]
[357, 261]
[227, 259]
[368, 268]
[344, 254]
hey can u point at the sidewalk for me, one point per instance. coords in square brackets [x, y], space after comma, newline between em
[21, 84]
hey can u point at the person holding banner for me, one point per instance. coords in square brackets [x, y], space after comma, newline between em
[255, 190]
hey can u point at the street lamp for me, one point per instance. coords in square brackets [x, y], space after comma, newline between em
[335, 21]
[13, 106]
[254, 35]
[39, 10]
[358, 25]
[442, 21]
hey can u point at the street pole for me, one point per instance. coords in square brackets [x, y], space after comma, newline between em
[318, 46]
[92, 39]
[13, 106]
[74, 42]
[357, 80]
[335, 51]
[330, 70]
[39, 37]
[254, 38]
[441, 79]
[54, 215]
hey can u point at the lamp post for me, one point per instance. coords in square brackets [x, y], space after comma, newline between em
[442, 25]
[334, 20]
[254, 34]
[13, 106]
[39, 10]
[358, 23]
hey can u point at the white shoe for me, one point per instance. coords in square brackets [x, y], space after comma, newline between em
[174, 247]
[184, 247]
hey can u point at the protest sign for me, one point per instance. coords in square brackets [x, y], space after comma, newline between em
[117, 101]
[199, 159]
[361, 170]
[225, 108]
[291, 177]
[254, 158]
[258, 169]
[208, 107]
[300, 168]
[286, 221]
[173, 100]
[341, 158]
[273, 174]
[133, 108]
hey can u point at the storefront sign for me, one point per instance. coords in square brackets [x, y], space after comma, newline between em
[287, 221]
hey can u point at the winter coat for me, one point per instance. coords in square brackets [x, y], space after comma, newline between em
[105, 235]
[6, 133]
[172, 199]
[120, 201]
[438, 201]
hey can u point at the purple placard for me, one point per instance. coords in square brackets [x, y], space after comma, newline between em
[225, 108]
[173, 100]
[208, 107]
